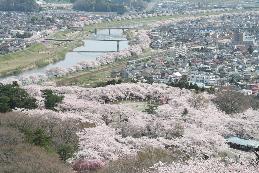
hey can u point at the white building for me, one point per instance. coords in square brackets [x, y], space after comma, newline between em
[175, 77]
[202, 78]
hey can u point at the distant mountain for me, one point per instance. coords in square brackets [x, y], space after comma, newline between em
[18, 5]
[99, 6]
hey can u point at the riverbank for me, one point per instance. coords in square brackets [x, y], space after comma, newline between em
[35, 56]
[91, 78]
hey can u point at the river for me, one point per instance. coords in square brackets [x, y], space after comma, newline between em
[74, 57]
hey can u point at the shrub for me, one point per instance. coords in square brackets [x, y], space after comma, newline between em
[5, 104]
[12, 96]
[38, 137]
[51, 99]
[65, 151]
[183, 83]
[109, 82]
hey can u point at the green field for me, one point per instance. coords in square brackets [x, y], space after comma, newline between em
[34, 56]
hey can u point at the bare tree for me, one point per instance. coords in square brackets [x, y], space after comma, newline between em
[232, 102]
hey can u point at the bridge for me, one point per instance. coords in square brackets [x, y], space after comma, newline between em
[107, 39]
[65, 40]
[115, 40]
[93, 51]
[113, 28]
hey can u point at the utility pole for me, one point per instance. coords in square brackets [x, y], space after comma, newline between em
[118, 45]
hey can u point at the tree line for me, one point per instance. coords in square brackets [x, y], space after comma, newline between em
[19, 5]
[99, 6]
[119, 6]
[109, 5]
[12, 96]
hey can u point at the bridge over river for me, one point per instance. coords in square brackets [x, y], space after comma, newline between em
[123, 28]
[104, 39]
[101, 38]
[94, 46]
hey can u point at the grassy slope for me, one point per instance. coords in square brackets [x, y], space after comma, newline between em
[34, 56]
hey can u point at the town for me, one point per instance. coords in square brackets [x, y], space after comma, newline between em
[209, 52]
[19, 30]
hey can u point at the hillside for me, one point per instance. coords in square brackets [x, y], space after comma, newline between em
[183, 126]
[134, 128]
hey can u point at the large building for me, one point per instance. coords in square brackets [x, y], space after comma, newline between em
[238, 37]
[202, 79]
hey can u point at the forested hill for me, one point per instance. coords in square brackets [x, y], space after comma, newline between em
[18, 5]
[99, 6]
[119, 6]
[60, 1]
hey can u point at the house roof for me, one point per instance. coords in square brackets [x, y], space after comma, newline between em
[243, 142]
[177, 74]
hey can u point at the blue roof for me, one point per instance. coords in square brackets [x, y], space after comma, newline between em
[243, 142]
